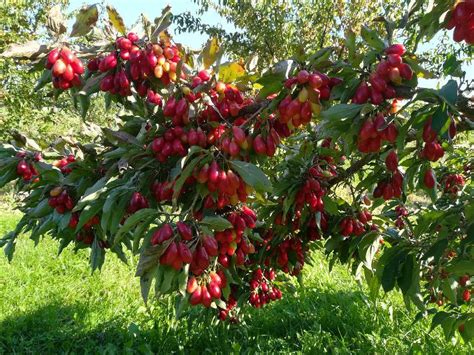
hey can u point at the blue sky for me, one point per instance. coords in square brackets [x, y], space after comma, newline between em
[130, 10]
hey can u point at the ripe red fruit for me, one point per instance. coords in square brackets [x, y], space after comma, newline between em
[396, 49]
[211, 246]
[394, 75]
[192, 285]
[133, 37]
[367, 130]
[259, 145]
[391, 160]
[234, 149]
[213, 174]
[206, 298]
[201, 258]
[302, 76]
[184, 230]
[68, 74]
[204, 75]
[214, 290]
[429, 179]
[405, 71]
[170, 107]
[77, 66]
[59, 67]
[315, 81]
[463, 280]
[215, 278]
[390, 133]
[394, 60]
[53, 56]
[362, 94]
[376, 96]
[377, 83]
[429, 134]
[22, 167]
[185, 253]
[466, 295]
[196, 296]
[239, 135]
[67, 55]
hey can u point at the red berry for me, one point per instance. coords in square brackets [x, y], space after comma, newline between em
[396, 49]
[429, 179]
[466, 295]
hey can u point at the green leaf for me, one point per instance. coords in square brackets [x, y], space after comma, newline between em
[85, 20]
[368, 247]
[132, 221]
[92, 193]
[437, 249]
[252, 175]
[441, 120]
[271, 83]
[449, 287]
[87, 213]
[149, 258]
[168, 278]
[461, 267]
[145, 282]
[372, 38]
[449, 92]
[230, 72]
[350, 43]
[438, 319]
[183, 177]
[97, 255]
[41, 210]
[330, 206]
[406, 275]
[391, 270]
[216, 223]
[162, 23]
[43, 80]
[452, 66]
[183, 280]
[468, 332]
[341, 112]
[210, 52]
[84, 104]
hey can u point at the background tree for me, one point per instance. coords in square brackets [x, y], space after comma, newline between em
[21, 104]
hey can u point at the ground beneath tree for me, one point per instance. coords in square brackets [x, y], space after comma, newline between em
[50, 304]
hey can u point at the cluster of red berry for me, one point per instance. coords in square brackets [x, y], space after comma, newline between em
[351, 226]
[432, 150]
[64, 164]
[137, 202]
[373, 132]
[26, 169]
[390, 71]
[65, 67]
[261, 289]
[452, 183]
[309, 89]
[462, 20]
[60, 200]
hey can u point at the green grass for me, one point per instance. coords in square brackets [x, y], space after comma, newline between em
[51, 304]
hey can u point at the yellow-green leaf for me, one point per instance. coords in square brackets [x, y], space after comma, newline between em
[116, 20]
[230, 72]
[85, 19]
[209, 53]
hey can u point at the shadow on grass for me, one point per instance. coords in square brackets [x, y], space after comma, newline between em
[279, 326]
